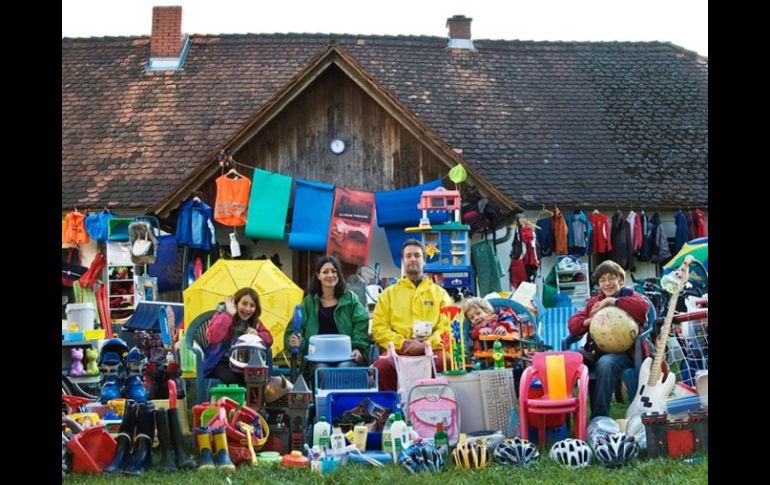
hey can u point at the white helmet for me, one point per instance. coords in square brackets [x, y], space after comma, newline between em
[571, 453]
[244, 349]
[616, 449]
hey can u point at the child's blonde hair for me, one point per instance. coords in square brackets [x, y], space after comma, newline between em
[478, 303]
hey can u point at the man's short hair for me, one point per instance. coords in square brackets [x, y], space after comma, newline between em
[412, 242]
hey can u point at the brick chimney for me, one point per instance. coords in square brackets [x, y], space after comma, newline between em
[459, 32]
[168, 46]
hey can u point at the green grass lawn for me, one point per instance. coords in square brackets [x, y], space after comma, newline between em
[640, 471]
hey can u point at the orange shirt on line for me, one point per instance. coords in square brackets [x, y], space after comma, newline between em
[232, 200]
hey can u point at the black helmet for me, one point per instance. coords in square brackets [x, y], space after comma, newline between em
[616, 449]
[517, 452]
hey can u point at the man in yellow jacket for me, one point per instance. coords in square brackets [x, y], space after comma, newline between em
[414, 297]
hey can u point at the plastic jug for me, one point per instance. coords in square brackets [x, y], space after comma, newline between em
[322, 433]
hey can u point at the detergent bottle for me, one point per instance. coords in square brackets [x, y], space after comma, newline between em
[338, 442]
[441, 440]
[322, 433]
[387, 444]
[398, 434]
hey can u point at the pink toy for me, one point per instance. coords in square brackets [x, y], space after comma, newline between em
[76, 369]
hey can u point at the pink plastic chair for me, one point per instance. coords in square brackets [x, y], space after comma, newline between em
[557, 372]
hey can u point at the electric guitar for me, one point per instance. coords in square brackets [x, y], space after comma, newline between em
[653, 389]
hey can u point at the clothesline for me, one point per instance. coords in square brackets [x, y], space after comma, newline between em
[230, 159]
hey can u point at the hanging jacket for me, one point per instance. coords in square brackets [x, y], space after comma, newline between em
[659, 251]
[73, 229]
[528, 242]
[700, 224]
[578, 233]
[622, 247]
[689, 215]
[232, 200]
[401, 304]
[559, 232]
[631, 219]
[682, 231]
[600, 224]
[544, 237]
[643, 253]
[351, 318]
[194, 226]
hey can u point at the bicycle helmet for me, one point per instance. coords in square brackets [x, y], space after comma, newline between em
[471, 456]
[517, 452]
[571, 453]
[420, 457]
[117, 346]
[244, 349]
[616, 449]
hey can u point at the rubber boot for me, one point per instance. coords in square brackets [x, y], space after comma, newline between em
[203, 442]
[141, 453]
[125, 439]
[175, 428]
[221, 453]
[164, 441]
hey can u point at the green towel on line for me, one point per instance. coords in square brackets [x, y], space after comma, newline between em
[268, 205]
[487, 267]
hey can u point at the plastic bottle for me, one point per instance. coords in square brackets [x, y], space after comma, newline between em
[338, 441]
[411, 434]
[441, 440]
[322, 433]
[387, 444]
[398, 434]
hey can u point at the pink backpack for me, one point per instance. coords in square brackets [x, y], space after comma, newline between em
[432, 401]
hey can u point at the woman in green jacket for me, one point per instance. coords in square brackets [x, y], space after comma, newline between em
[330, 308]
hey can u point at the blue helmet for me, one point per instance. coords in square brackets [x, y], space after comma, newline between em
[116, 345]
[421, 458]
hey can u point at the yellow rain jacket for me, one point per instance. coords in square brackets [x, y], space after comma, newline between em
[400, 305]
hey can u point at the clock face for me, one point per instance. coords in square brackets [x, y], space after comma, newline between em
[337, 146]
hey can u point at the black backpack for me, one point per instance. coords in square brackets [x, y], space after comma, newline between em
[481, 215]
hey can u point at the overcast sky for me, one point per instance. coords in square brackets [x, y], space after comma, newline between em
[682, 22]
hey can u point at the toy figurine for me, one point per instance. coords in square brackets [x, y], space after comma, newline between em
[76, 369]
[91, 357]
[498, 355]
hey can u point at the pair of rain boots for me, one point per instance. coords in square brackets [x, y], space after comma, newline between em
[216, 455]
[172, 454]
[133, 454]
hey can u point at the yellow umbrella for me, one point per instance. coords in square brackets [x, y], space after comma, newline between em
[278, 295]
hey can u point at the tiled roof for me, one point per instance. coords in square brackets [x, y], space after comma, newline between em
[573, 123]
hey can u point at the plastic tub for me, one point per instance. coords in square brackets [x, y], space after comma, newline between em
[337, 403]
[268, 458]
[83, 314]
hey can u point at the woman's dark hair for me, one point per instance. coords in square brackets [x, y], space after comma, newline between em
[252, 322]
[314, 287]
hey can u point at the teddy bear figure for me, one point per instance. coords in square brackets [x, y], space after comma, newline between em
[421, 330]
[76, 369]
